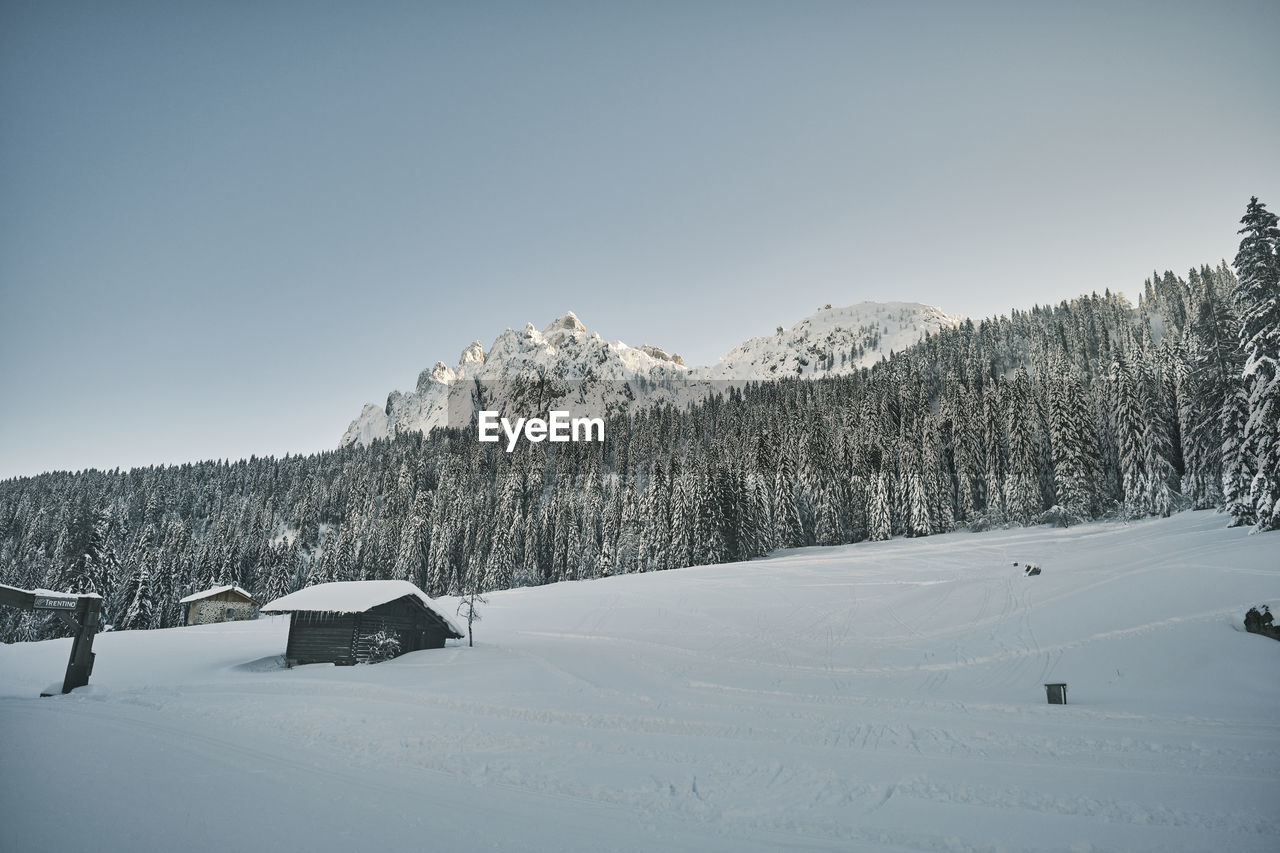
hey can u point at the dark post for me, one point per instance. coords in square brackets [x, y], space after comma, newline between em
[1057, 693]
[80, 664]
[87, 609]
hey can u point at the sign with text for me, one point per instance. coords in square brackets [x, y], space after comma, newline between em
[55, 602]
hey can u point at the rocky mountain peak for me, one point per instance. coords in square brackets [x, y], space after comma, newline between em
[568, 322]
[832, 341]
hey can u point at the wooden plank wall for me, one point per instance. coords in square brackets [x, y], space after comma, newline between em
[416, 629]
[347, 638]
[321, 638]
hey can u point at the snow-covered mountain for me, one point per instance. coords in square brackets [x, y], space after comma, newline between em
[560, 361]
[831, 341]
[566, 365]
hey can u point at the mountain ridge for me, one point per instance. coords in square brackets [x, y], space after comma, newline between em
[831, 341]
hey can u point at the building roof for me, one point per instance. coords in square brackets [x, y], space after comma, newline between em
[353, 597]
[217, 590]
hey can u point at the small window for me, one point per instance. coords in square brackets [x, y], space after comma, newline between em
[231, 612]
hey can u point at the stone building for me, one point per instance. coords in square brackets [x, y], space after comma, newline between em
[219, 604]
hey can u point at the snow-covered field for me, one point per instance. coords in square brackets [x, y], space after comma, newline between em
[880, 696]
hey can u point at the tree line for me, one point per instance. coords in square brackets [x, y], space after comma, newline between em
[1091, 408]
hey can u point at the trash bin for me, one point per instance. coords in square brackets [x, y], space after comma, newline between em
[1057, 693]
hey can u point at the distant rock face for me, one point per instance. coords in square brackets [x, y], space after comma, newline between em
[660, 354]
[441, 374]
[566, 366]
[598, 375]
[568, 323]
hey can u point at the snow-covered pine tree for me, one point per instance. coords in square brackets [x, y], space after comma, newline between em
[1157, 447]
[657, 520]
[918, 522]
[938, 476]
[529, 571]
[879, 523]
[78, 542]
[681, 544]
[1258, 297]
[709, 545]
[576, 564]
[132, 613]
[993, 442]
[628, 532]
[347, 551]
[591, 560]
[138, 613]
[828, 529]
[967, 447]
[278, 577]
[1130, 429]
[730, 500]
[1074, 443]
[501, 564]
[105, 565]
[1022, 489]
[1213, 369]
[759, 523]
[787, 529]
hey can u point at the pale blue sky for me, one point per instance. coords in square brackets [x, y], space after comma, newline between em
[224, 227]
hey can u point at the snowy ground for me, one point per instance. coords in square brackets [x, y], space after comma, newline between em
[881, 696]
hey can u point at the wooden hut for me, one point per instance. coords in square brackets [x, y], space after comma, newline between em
[219, 604]
[352, 622]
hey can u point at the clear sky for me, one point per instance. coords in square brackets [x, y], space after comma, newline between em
[225, 226]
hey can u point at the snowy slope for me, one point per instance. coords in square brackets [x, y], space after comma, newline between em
[879, 696]
[599, 376]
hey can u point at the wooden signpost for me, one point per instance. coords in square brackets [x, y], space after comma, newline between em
[79, 611]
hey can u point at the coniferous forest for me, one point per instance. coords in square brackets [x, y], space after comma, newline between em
[1091, 408]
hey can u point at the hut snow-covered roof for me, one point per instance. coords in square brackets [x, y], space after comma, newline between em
[352, 597]
[217, 590]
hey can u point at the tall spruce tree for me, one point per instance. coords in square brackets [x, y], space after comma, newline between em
[1213, 370]
[1258, 296]
[880, 522]
[139, 612]
[1074, 444]
[1022, 491]
[1130, 425]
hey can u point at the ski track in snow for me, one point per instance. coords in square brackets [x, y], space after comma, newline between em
[881, 696]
